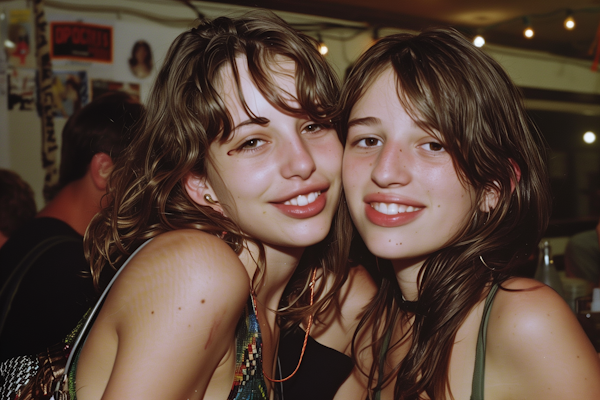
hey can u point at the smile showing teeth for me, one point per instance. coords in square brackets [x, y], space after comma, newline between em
[303, 200]
[393, 208]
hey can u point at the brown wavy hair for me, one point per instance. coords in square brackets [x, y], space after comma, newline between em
[456, 92]
[185, 114]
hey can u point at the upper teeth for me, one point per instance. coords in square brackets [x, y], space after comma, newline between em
[393, 208]
[303, 200]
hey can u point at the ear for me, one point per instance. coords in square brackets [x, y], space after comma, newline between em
[197, 187]
[100, 168]
[492, 194]
[490, 198]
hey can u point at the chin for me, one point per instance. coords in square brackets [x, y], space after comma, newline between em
[306, 239]
[386, 245]
[388, 251]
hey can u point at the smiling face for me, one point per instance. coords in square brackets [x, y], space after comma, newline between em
[280, 180]
[403, 192]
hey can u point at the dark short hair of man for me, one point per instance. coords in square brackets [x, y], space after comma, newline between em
[103, 126]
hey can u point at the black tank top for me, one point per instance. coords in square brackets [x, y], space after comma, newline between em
[322, 372]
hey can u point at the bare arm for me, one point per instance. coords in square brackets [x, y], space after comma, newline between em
[167, 323]
[537, 349]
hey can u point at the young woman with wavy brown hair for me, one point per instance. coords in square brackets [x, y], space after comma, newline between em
[233, 174]
[446, 182]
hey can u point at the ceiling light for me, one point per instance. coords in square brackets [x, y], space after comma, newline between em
[479, 41]
[528, 32]
[589, 137]
[323, 49]
[569, 21]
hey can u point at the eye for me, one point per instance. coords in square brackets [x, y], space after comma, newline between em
[368, 142]
[313, 128]
[252, 144]
[433, 146]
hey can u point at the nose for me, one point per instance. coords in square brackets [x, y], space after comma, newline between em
[297, 160]
[392, 167]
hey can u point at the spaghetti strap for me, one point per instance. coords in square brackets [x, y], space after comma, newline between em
[382, 356]
[479, 372]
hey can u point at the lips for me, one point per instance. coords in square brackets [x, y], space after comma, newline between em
[304, 205]
[390, 211]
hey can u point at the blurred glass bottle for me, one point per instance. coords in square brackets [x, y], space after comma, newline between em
[546, 271]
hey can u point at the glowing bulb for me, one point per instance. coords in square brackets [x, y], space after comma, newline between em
[323, 49]
[589, 137]
[528, 32]
[479, 41]
[569, 23]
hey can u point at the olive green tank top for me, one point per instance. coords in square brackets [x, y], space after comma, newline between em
[479, 372]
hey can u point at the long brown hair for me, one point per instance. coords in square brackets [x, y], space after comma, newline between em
[455, 91]
[185, 114]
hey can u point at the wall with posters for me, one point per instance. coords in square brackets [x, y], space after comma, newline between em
[104, 45]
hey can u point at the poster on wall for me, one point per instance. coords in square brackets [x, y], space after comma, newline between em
[18, 43]
[101, 86]
[21, 89]
[70, 92]
[81, 41]
[141, 62]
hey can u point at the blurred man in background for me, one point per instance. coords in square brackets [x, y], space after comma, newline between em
[56, 290]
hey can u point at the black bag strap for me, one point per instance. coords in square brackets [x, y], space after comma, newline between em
[11, 286]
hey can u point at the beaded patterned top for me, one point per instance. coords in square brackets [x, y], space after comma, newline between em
[249, 382]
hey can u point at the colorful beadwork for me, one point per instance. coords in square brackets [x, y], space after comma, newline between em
[249, 382]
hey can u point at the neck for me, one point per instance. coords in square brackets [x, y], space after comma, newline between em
[407, 272]
[280, 266]
[75, 204]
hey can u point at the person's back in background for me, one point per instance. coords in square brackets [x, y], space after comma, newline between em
[17, 204]
[57, 290]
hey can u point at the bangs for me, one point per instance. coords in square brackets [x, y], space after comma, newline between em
[315, 97]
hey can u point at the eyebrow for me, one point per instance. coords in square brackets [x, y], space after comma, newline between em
[367, 121]
[252, 121]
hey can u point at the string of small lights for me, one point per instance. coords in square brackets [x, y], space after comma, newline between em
[323, 31]
[569, 23]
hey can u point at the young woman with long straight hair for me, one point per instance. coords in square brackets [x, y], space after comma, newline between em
[446, 182]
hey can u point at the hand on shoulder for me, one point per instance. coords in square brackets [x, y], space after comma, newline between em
[536, 347]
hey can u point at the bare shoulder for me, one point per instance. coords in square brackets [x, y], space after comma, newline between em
[192, 251]
[528, 307]
[529, 310]
[186, 291]
[535, 342]
[185, 266]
